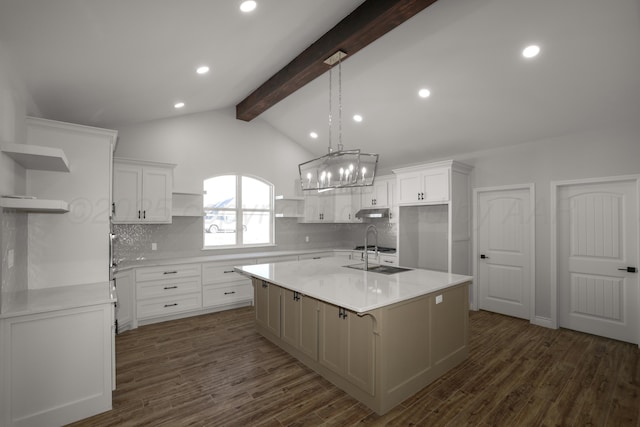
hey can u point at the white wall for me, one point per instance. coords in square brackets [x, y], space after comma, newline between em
[13, 226]
[213, 143]
[598, 153]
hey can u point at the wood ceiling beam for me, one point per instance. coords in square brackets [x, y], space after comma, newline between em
[370, 21]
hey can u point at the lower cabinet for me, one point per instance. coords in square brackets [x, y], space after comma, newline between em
[56, 367]
[299, 322]
[167, 290]
[381, 357]
[347, 345]
[267, 303]
[222, 286]
[124, 306]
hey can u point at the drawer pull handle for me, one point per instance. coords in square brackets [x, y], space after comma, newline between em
[388, 262]
[171, 287]
[230, 293]
[170, 272]
[171, 305]
[229, 271]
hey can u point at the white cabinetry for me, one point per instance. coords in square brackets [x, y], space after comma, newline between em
[167, 290]
[434, 217]
[222, 286]
[335, 206]
[423, 184]
[56, 367]
[377, 195]
[124, 306]
[141, 192]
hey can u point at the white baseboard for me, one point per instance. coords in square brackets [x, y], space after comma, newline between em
[545, 322]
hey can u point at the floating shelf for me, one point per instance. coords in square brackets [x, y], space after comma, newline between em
[186, 204]
[35, 205]
[37, 157]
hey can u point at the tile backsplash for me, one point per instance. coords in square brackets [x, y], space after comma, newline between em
[184, 238]
[13, 237]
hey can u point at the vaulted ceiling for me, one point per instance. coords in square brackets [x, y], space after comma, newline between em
[113, 63]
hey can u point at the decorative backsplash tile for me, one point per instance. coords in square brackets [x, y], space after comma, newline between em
[184, 238]
[13, 236]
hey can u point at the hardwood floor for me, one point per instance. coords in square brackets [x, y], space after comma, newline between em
[215, 370]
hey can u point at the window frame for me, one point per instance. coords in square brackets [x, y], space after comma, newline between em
[239, 212]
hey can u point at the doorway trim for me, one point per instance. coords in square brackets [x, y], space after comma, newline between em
[554, 291]
[532, 243]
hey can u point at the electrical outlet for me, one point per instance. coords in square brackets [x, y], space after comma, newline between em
[10, 258]
[438, 299]
[154, 246]
[306, 239]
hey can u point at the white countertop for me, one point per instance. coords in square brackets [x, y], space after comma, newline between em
[35, 301]
[328, 280]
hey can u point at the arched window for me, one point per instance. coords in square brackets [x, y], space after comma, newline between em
[238, 211]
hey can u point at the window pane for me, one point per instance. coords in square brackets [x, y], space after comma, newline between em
[220, 228]
[257, 228]
[256, 194]
[220, 192]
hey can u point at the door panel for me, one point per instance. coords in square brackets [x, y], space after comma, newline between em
[598, 235]
[504, 269]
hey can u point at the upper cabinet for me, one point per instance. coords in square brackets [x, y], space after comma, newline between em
[427, 184]
[377, 195]
[141, 192]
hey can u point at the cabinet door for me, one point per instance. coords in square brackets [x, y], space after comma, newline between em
[435, 185]
[409, 188]
[124, 306]
[311, 207]
[309, 326]
[360, 346]
[267, 303]
[343, 206]
[127, 193]
[347, 345]
[367, 196]
[261, 301]
[290, 318]
[326, 203]
[332, 351]
[156, 194]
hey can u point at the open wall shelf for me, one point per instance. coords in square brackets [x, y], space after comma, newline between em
[37, 157]
[34, 205]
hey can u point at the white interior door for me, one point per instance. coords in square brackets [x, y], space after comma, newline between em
[597, 241]
[504, 265]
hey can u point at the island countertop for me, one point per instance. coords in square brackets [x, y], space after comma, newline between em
[329, 280]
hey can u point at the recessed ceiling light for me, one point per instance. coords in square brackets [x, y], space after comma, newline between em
[248, 6]
[357, 118]
[424, 93]
[313, 135]
[178, 105]
[202, 69]
[531, 51]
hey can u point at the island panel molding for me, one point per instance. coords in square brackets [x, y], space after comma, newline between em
[381, 355]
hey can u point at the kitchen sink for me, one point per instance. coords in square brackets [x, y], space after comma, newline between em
[382, 269]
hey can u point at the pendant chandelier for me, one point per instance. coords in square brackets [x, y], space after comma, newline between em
[340, 168]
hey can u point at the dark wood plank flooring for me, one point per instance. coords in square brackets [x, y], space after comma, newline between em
[215, 370]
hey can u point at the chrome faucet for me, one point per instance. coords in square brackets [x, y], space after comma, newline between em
[366, 246]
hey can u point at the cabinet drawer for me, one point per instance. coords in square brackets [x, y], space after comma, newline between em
[213, 273]
[169, 305]
[388, 259]
[167, 272]
[167, 287]
[316, 255]
[222, 295]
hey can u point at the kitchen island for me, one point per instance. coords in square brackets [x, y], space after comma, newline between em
[381, 338]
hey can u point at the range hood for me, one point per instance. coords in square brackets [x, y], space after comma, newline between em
[373, 213]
